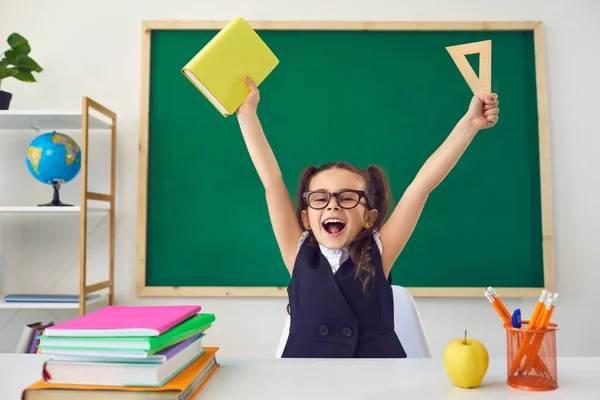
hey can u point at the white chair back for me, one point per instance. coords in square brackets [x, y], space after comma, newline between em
[284, 337]
[408, 324]
[407, 321]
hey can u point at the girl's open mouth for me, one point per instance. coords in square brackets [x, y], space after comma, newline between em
[334, 226]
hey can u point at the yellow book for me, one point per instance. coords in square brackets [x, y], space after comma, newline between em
[219, 68]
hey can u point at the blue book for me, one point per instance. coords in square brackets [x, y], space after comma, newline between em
[46, 298]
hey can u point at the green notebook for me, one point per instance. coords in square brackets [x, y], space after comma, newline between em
[149, 345]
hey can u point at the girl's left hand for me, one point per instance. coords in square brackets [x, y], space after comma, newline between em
[483, 111]
[251, 101]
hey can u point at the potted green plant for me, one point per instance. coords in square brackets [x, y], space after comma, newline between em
[16, 63]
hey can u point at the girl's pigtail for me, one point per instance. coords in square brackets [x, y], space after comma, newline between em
[305, 177]
[379, 198]
[381, 193]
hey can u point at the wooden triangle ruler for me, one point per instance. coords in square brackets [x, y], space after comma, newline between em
[483, 82]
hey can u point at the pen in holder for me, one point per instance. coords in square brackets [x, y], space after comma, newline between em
[531, 357]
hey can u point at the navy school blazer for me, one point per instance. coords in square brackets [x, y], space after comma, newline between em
[331, 317]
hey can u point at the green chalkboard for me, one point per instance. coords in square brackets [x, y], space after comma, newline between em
[386, 96]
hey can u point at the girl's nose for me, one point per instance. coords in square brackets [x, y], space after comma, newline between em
[333, 204]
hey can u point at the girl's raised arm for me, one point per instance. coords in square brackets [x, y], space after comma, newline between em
[281, 210]
[482, 113]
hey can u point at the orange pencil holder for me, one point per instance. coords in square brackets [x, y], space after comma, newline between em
[531, 357]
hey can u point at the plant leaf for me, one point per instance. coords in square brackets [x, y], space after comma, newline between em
[4, 62]
[24, 61]
[11, 56]
[16, 40]
[6, 72]
[22, 49]
[25, 76]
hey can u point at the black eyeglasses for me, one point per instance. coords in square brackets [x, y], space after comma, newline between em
[348, 198]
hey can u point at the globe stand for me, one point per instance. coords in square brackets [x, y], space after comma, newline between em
[55, 199]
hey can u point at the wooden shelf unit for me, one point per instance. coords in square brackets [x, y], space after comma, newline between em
[73, 120]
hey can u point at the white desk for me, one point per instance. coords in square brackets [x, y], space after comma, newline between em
[289, 379]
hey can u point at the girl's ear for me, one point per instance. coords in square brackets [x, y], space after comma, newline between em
[370, 218]
[305, 220]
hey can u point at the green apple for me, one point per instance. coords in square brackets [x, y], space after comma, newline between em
[466, 362]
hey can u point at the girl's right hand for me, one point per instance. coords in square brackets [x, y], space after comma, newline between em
[251, 101]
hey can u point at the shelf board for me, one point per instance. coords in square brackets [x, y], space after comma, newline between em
[74, 210]
[50, 120]
[47, 305]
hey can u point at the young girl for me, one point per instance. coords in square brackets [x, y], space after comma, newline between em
[336, 245]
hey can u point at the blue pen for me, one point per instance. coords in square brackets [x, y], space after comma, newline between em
[516, 318]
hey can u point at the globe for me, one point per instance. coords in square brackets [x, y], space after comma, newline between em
[54, 159]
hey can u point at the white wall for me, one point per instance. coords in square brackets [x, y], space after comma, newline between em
[93, 48]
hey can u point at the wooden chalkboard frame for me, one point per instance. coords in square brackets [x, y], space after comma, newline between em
[543, 135]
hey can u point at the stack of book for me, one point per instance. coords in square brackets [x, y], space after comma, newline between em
[126, 352]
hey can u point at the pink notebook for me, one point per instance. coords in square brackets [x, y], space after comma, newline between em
[120, 321]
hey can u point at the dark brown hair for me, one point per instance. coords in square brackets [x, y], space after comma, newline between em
[378, 196]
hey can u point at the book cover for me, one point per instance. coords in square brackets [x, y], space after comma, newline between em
[122, 321]
[26, 337]
[219, 68]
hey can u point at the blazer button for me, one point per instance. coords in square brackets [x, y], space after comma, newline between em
[324, 330]
[347, 332]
